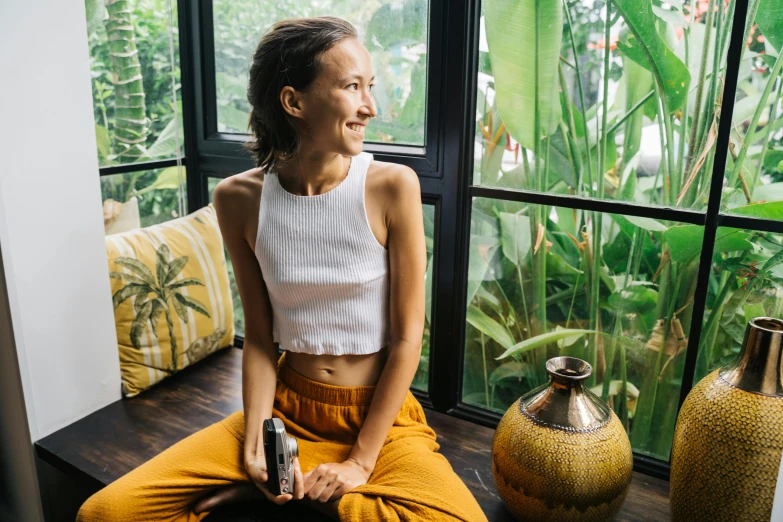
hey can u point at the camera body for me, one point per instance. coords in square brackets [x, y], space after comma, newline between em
[279, 450]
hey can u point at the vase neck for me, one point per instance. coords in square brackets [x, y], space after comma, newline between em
[564, 404]
[759, 367]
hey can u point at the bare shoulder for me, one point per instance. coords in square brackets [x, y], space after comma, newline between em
[240, 187]
[237, 198]
[394, 181]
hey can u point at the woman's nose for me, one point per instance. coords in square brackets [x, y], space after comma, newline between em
[369, 107]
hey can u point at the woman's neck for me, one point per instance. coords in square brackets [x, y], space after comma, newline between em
[314, 174]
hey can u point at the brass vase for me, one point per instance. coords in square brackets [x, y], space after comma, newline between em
[560, 453]
[729, 435]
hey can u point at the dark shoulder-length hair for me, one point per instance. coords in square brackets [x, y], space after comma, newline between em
[287, 54]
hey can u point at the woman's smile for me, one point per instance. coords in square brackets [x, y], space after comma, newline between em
[356, 128]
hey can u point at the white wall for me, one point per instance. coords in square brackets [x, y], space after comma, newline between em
[51, 224]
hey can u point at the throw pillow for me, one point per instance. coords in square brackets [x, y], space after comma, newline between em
[171, 296]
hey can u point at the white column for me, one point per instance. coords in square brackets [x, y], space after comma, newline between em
[51, 224]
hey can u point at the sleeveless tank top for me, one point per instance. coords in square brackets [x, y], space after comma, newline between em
[326, 274]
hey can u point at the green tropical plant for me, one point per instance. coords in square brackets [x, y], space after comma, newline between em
[156, 293]
[131, 122]
[575, 115]
[136, 116]
[131, 69]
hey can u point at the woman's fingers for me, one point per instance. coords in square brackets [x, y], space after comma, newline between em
[328, 491]
[311, 477]
[318, 488]
[256, 468]
[299, 490]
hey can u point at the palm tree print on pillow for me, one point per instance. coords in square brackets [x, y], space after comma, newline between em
[154, 293]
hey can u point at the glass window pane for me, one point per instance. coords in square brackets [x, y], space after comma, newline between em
[239, 313]
[621, 123]
[421, 380]
[754, 167]
[143, 198]
[395, 33]
[745, 282]
[533, 273]
[133, 80]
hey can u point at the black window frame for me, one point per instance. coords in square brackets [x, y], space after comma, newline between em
[220, 151]
[445, 168]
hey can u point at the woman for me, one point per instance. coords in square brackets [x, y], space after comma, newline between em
[329, 255]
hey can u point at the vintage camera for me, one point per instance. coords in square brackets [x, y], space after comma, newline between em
[279, 450]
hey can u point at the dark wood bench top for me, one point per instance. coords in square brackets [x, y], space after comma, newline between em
[112, 441]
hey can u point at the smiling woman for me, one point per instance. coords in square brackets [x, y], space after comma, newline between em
[329, 254]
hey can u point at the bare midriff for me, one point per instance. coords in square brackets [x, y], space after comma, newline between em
[339, 370]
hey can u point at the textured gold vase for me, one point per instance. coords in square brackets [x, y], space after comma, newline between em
[560, 453]
[729, 436]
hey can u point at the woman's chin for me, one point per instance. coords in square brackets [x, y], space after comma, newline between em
[354, 147]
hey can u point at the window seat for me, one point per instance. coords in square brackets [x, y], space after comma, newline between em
[110, 442]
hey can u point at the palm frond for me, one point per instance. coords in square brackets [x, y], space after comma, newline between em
[157, 307]
[175, 267]
[181, 310]
[130, 278]
[128, 290]
[138, 267]
[162, 262]
[192, 303]
[190, 281]
[139, 303]
[137, 327]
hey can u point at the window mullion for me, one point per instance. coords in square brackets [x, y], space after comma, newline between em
[716, 188]
[189, 48]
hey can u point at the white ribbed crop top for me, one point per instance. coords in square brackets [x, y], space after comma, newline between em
[326, 274]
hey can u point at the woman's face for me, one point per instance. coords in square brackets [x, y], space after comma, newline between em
[339, 98]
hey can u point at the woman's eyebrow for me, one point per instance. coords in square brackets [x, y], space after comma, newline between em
[352, 76]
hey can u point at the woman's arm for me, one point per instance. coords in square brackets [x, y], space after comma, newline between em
[259, 380]
[236, 202]
[407, 265]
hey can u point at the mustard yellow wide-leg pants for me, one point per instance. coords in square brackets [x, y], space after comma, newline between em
[410, 482]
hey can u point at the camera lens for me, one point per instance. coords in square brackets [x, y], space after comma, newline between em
[293, 447]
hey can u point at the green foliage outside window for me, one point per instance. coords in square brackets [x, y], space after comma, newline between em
[627, 111]
[142, 79]
[130, 44]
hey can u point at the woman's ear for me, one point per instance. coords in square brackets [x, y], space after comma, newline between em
[290, 99]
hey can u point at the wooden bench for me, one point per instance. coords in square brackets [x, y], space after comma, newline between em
[110, 442]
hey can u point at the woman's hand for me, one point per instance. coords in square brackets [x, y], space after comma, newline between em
[331, 481]
[241, 491]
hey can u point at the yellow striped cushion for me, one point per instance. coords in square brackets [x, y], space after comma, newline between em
[171, 294]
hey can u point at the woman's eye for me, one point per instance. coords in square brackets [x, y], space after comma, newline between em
[356, 84]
